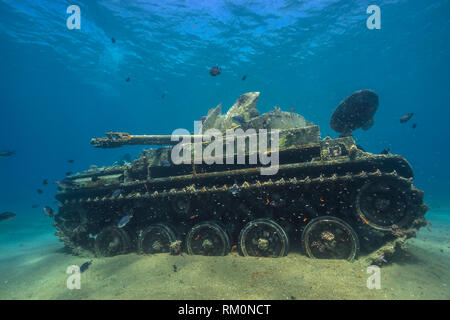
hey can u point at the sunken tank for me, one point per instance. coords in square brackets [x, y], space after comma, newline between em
[327, 197]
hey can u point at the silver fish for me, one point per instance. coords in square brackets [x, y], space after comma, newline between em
[48, 211]
[116, 193]
[239, 120]
[124, 221]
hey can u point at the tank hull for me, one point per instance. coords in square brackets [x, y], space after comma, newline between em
[370, 200]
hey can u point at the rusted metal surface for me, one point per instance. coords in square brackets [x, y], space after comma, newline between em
[315, 177]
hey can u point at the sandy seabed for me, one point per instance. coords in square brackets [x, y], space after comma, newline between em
[30, 270]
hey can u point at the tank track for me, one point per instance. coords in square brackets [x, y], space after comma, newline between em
[333, 195]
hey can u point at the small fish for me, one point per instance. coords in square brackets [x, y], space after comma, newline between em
[202, 119]
[385, 151]
[85, 266]
[6, 154]
[127, 79]
[7, 216]
[174, 268]
[34, 206]
[406, 117]
[291, 109]
[414, 125]
[45, 182]
[239, 120]
[68, 173]
[116, 192]
[113, 40]
[39, 191]
[70, 161]
[244, 77]
[214, 71]
[234, 190]
[48, 211]
[124, 221]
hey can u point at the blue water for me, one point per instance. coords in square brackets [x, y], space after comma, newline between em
[61, 87]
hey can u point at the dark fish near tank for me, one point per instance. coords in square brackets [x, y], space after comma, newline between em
[70, 161]
[116, 192]
[34, 206]
[239, 120]
[48, 211]
[39, 191]
[406, 117]
[214, 71]
[113, 40]
[124, 221]
[6, 154]
[7, 216]
[356, 111]
[385, 151]
[68, 173]
[45, 182]
[127, 79]
[244, 77]
[414, 125]
[85, 266]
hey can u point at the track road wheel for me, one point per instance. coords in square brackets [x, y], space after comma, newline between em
[263, 238]
[381, 204]
[112, 241]
[208, 239]
[330, 238]
[155, 239]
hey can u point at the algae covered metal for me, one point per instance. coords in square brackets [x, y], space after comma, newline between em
[324, 197]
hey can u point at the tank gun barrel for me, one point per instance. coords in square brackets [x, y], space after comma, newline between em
[118, 139]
